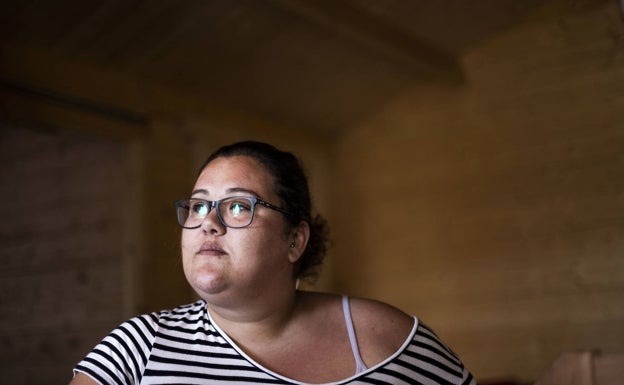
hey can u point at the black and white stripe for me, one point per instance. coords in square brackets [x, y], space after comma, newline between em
[183, 346]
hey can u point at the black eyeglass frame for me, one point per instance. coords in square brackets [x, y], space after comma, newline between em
[215, 205]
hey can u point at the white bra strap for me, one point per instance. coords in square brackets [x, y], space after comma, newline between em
[360, 366]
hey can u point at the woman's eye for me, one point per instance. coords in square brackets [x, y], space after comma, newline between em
[236, 208]
[199, 208]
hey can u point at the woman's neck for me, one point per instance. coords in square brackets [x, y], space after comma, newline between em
[264, 318]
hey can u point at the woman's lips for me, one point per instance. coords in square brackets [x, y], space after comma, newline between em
[210, 248]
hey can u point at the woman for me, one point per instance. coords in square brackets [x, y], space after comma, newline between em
[248, 236]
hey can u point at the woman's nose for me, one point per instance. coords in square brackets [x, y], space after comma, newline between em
[212, 224]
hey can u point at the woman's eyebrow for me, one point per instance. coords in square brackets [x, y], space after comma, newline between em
[241, 190]
[231, 190]
[200, 191]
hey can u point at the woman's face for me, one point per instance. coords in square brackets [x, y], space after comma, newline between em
[224, 263]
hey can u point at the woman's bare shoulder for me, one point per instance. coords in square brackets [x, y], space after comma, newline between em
[381, 328]
[366, 312]
[376, 314]
[374, 321]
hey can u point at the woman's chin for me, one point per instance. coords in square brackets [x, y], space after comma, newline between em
[204, 275]
[207, 283]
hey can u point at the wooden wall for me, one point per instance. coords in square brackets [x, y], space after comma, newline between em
[63, 237]
[495, 210]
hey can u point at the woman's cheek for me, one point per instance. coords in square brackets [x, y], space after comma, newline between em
[186, 248]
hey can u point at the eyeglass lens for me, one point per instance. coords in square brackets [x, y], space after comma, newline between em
[232, 212]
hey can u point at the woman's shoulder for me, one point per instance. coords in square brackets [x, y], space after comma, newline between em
[368, 312]
[192, 310]
[381, 328]
[375, 311]
[380, 318]
[152, 321]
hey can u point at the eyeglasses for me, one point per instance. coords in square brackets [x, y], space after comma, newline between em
[233, 212]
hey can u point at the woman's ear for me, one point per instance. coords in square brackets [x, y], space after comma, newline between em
[298, 241]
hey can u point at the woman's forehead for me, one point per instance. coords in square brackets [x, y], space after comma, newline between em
[235, 172]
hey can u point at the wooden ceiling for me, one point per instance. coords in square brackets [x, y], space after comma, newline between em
[316, 65]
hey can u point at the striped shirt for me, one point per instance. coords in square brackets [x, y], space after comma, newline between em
[184, 346]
